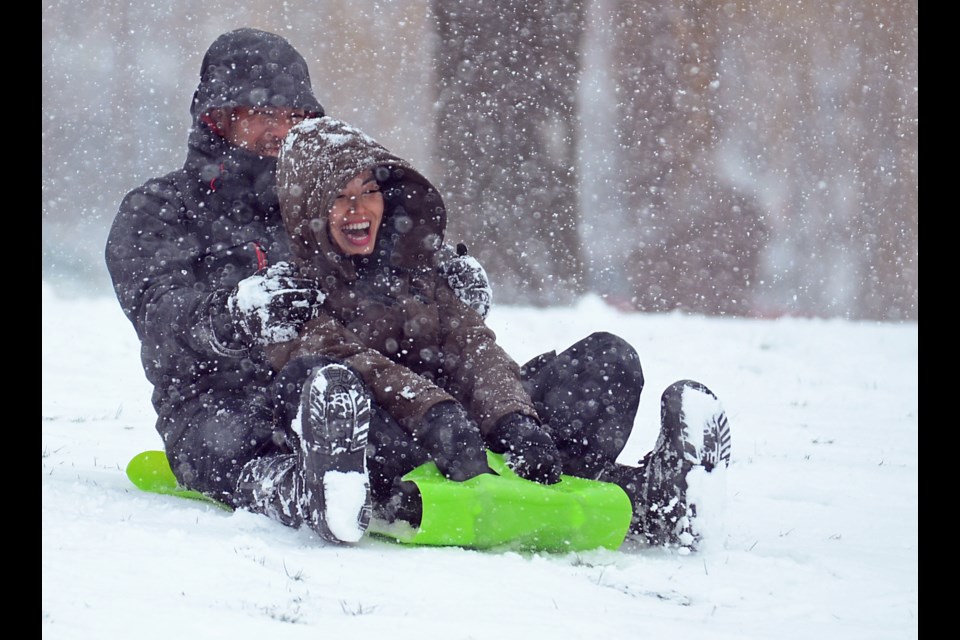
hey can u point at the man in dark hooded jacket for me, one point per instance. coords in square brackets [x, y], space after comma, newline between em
[182, 244]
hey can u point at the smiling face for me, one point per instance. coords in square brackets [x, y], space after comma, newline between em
[355, 217]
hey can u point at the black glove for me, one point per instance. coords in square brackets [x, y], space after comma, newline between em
[467, 278]
[272, 305]
[453, 442]
[527, 448]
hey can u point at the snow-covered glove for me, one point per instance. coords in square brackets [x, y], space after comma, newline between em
[527, 448]
[272, 305]
[467, 278]
[453, 442]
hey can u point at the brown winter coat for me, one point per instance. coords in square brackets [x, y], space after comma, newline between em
[390, 316]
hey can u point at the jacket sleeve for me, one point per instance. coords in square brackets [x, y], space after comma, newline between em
[483, 376]
[404, 394]
[152, 254]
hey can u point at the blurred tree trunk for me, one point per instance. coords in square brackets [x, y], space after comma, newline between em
[506, 141]
[696, 240]
[370, 64]
[827, 135]
[890, 210]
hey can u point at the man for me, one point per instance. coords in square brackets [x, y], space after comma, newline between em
[183, 246]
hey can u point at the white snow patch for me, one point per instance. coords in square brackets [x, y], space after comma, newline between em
[833, 556]
[253, 297]
[345, 494]
[699, 409]
[296, 425]
[708, 491]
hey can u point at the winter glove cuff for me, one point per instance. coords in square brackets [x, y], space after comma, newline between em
[527, 448]
[219, 328]
[214, 331]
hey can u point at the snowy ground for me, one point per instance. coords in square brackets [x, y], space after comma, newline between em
[821, 524]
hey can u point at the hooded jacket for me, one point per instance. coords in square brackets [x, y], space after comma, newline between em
[391, 315]
[181, 240]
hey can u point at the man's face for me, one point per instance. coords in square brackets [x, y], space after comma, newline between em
[260, 130]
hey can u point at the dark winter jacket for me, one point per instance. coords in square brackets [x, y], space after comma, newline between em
[391, 316]
[181, 240]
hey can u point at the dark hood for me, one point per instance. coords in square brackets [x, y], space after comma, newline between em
[318, 158]
[253, 68]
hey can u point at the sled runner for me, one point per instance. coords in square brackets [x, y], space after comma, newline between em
[486, 512]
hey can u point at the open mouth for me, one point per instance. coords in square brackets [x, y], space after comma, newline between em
[357, 233]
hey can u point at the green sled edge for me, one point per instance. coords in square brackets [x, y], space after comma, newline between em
[490, 511]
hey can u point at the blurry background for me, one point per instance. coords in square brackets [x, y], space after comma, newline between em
[721, 157]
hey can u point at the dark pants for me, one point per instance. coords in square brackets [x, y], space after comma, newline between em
[212, 437]
[587, 397]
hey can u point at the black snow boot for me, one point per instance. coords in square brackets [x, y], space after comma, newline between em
[694, 434]
[325, 484]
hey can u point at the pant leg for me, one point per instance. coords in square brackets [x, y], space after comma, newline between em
[222, 434]
[391, 454]
[218, 433]
[588, 397]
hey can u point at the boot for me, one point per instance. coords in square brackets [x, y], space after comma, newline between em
[325, 484]
[694, 433]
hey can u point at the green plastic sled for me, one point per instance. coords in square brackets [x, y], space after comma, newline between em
[486, 512]
[150, 471]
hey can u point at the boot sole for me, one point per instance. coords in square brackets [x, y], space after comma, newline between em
[707, 447]
[716, 443]
[335, 423]
[705, 431]
[695, 434]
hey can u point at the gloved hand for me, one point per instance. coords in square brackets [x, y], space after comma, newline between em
[527, 448]
[467, 278]
[272, 305]
[453, 442]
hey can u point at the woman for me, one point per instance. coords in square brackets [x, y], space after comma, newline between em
[395, 370]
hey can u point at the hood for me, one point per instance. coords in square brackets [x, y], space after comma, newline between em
[253, 68]
[318, 159]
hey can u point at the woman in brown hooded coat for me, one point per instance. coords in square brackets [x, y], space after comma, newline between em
[389, 313]
[394, 369]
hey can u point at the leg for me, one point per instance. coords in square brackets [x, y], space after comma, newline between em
[694, 433]
[588, 397]
[324, 482]
[392, 454]
[210, 438]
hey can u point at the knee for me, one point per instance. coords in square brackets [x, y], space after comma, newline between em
[616, 352]
[613, 346]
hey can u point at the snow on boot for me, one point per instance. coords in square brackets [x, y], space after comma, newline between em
[333, 424]
[670, 487]
[271, 485]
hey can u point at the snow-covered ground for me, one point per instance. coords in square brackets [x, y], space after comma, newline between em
[821, 523]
